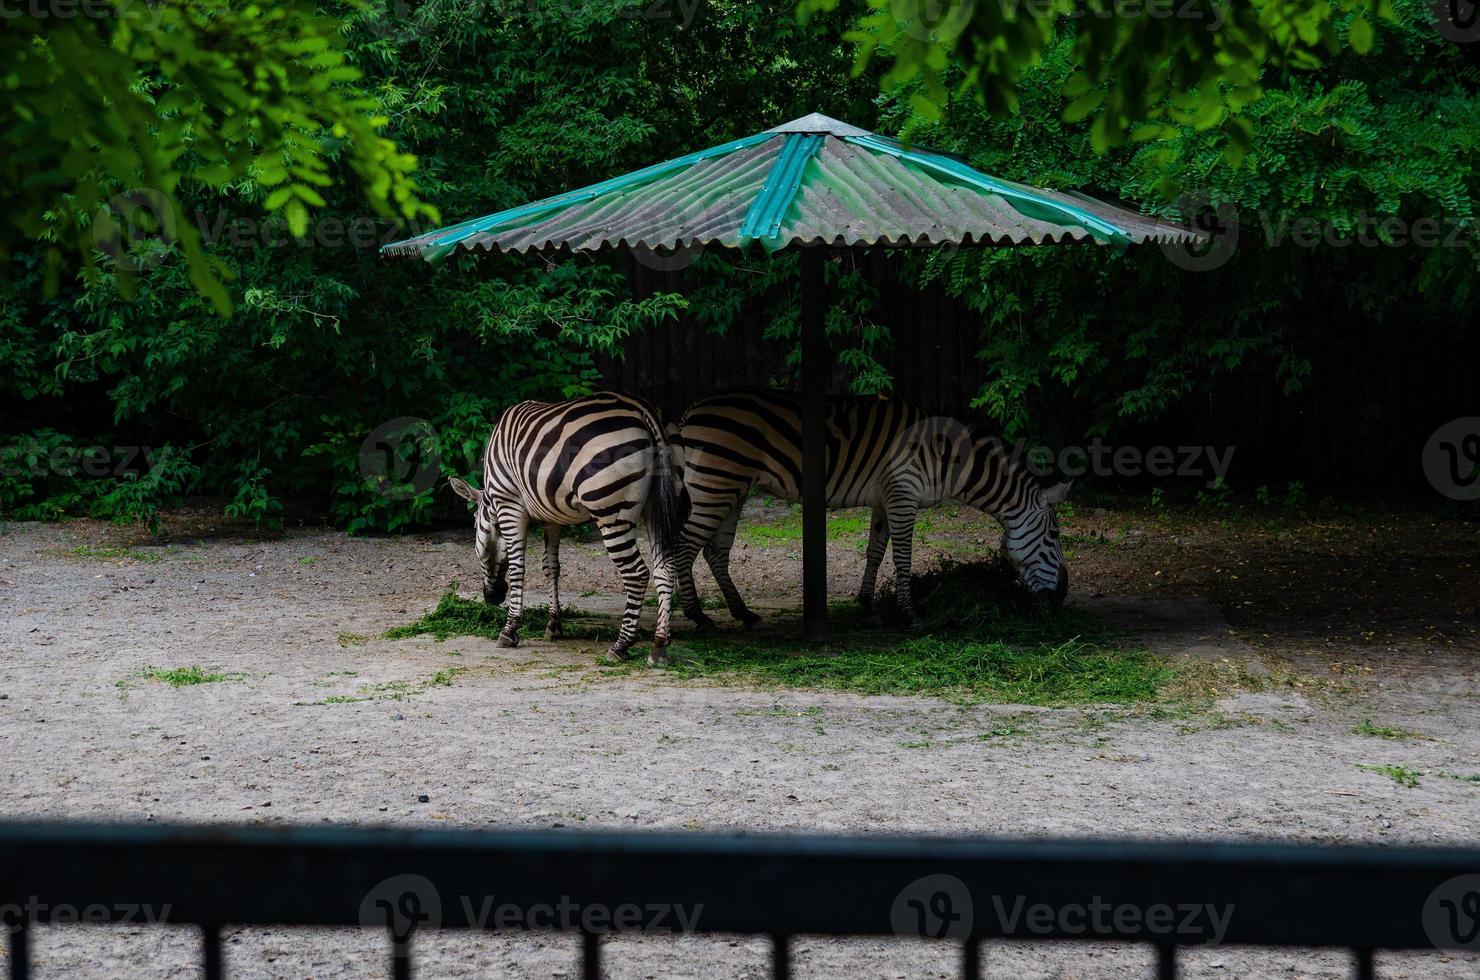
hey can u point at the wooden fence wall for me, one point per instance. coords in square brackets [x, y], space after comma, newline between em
[1363, 418]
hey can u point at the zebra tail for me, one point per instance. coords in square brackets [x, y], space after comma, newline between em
[668, 500]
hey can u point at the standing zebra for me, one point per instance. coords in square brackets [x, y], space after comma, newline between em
[884, 454]
[601, 458]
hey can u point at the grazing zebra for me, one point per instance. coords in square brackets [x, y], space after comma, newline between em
[884, 454]
[601, 458]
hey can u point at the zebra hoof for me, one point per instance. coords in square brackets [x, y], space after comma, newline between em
[553, 632]
[507, 640]
[658, 655]
[701, 621]
[916, 624]
[618, 652]
[750, 621]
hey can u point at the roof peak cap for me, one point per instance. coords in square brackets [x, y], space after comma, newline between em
[816, 122]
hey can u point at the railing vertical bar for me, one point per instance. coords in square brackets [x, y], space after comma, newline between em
[591, 956]
[1365, 969]
[971, 960]
[210, 936]
[20, 950]
[781, 956]
[400, 955]
[1166, 962]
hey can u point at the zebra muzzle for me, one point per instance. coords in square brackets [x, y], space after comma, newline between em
[1054, 598]
[494, 592]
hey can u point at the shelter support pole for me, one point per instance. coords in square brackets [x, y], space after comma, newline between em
[816, 367]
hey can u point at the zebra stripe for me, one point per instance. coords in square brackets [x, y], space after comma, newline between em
[601, 458]
[884, 454]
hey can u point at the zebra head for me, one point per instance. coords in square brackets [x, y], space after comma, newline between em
[987, 474]
[487, 544]
[1030, 540]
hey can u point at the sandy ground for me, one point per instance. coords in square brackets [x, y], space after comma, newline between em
[540, 737]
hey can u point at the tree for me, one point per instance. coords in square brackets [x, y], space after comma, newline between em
[111, 105]
[1144, 67]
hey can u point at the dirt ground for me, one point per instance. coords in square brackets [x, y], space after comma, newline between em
[1370, 621]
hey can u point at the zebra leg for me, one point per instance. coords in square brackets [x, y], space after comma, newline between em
[710, 507]
[902, 505]
[513, 525]
[717, 554]
[663, 566]
[688, 593]
[620, 537]
[878, 540]
[551, 567]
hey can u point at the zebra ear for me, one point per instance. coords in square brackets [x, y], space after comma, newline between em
[1058, 493]
[462, 489]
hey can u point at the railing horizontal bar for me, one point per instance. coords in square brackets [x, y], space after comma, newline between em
[1261, 894]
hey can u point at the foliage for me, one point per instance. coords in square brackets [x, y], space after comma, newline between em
[112, 109]
[721, 286]
[1083, 341]
[1143, 71]
[46, 475]
[329, 342]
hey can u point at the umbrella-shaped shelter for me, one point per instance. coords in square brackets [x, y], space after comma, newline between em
[816, 184]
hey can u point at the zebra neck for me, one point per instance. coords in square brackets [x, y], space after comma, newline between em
[997, 484]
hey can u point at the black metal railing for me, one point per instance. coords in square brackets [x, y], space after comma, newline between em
[1169, 895]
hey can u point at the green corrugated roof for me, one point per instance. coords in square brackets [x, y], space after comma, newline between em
[812, 181]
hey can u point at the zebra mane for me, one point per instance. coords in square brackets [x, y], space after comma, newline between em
[1013, 454]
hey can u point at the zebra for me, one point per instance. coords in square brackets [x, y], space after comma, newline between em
[601, 458]
[885, 454]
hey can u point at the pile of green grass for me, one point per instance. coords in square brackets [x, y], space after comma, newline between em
[456, 616]
[977, 595]
[115, 554]
[969, 669]
[186, 676]
[982, 641]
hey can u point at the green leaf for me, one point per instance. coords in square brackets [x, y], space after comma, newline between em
[297, 216]
[1081, 107]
